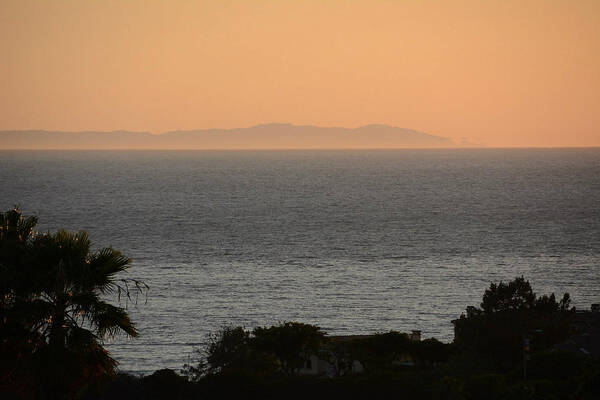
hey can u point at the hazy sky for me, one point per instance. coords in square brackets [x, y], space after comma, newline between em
[499, 72]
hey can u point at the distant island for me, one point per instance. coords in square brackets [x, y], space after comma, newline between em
[266, 136]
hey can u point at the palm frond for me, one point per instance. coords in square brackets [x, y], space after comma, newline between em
[103, 266]
[110, 320]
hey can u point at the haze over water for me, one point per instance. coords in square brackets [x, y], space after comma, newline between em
[354, 241]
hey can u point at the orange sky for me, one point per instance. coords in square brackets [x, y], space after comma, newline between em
[502, 73]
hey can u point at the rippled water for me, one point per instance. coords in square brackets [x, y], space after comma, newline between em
[354, 241]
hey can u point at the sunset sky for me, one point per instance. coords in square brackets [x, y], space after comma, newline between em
[495, 72]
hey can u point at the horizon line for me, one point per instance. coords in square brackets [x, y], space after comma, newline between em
[314, 149]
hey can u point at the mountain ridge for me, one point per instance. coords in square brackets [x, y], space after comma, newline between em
[261, 136]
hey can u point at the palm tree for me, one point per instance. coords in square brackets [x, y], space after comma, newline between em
[16, 233]
[56, 289]
[73, 282]
[17, 339]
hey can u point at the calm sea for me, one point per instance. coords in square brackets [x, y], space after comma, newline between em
[354, 241]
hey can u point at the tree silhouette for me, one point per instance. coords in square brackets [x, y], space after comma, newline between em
[18, 341]
[379, 351]
[229, 351]
[292, 343]
[55, 291]
[516, 295]
[509, 313]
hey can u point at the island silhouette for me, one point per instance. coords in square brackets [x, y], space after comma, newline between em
[265, 136]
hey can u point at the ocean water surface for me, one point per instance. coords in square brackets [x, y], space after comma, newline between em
[354, 241]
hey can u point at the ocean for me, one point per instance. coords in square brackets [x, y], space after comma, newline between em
[353, 241]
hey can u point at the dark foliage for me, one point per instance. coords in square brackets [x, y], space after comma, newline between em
[230, 351]
[53, 316]
[381, 350]
[430, 352]
[292, 343]
[410, 383]
[264, 351]
[162, 384]
[509, 314]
